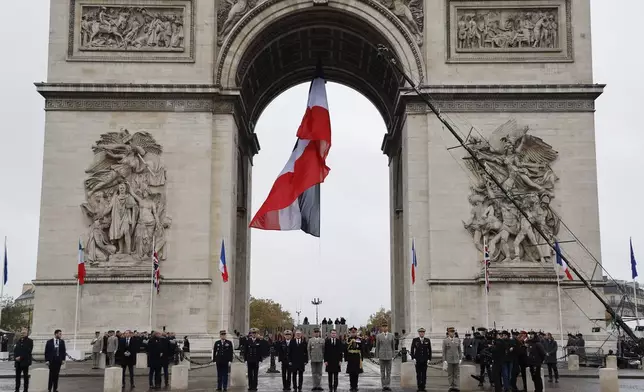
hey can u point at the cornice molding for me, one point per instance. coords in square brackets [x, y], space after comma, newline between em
[120, 279]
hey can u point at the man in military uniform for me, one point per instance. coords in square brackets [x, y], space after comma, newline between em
[385, 354]
[421, 352]
[316, 356]
[452, 355]
[222, 354]
[353, 356]
[253, 355]
[282, 356]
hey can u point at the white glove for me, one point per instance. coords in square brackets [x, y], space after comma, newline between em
[460, 361]
[445, 366]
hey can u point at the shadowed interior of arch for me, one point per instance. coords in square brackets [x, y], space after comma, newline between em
[291, 47]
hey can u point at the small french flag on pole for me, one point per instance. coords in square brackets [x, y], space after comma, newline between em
[222, 263]
[81, 264]
[561, 262]
[414, 262]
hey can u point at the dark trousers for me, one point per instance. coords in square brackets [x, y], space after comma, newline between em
[298, 377]
[154, 376]
[421, 374]
[333, 381]
[552, 368]
[54, 372]
[222, 375]
[506, 375]
[286, 376]
[497, 377]
[130, 368]
[485, 368]
[25, 372]
[353, 380]
[165, 373]
[516, 369]
[535, 372]
[253, 370]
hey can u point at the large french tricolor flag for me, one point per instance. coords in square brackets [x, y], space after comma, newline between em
[562, 262]
[223, 268]
[294, 201]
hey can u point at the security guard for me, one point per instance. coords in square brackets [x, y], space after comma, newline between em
[253, 355]
[222, 355]
[421, 351]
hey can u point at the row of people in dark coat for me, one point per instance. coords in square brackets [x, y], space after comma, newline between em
[55, 356]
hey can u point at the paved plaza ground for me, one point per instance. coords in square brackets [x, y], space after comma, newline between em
[79, 377]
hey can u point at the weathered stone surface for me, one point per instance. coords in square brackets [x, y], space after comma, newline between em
[141, 360]
[611, 362]
[573, 362]
[112, 380]
[38, 380]
[237, 377]
[179, 377]
[608, 380]
[407, 375]
[467, 383]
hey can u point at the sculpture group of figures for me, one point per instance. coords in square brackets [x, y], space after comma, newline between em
[521, 164]
[494, 29]
[132, 28]
[126, 201]
[410, 13]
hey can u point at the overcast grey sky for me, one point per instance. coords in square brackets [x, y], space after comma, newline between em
[353, 257]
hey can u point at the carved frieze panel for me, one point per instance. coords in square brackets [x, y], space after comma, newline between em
[509, 31]
[144, 31]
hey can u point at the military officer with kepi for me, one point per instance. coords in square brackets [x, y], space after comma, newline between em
[316, 356]
[253, 355]
[222, 354]
[353, 356]
[421, 352]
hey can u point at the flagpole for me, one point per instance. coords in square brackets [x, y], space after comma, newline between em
[152, 283]
[76, 317]
[559, 299]
[486, 280]
[637, 318]
[3, 277]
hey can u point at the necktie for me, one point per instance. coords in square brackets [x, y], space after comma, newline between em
[57, 352]
[333, 342]
[298, 341]
[127, 342]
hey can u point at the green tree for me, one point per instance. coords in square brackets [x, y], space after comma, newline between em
[14, 317]
[376, 319]
[265, 314]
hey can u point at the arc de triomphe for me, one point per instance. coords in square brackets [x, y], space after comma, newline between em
[150, 114]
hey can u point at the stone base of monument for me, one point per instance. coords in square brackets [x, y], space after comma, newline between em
[608, 380]
[237, 377]
[179, 378]
[112, 379]
[4, 355]
[141, 360]
[38, 380]
[102, 358]
[466, 382]
[408, 375]
[573, 362]
[611, 362]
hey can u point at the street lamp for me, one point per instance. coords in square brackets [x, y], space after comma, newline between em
[316, 302]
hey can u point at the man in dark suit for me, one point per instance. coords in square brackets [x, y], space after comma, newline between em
[167, 354]
[22, 358]
[282, 355]
[333, 350]
[222, 355]
[55, 355]
[126, 354]
[298, 357]
[155, 353]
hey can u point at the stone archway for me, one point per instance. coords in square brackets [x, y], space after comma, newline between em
[276, 46]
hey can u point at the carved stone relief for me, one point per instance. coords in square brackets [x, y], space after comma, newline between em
[509, 31]
[410, 13]
[229, 12]
[127, 28]
[125, 200]
[521, 163]
[504, 29]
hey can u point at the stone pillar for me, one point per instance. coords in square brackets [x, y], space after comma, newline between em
[4, 355]
[101, 361]
[38, 380]
[237, 376]
[223, 215]
[112, 379]
[608, 380]
[141, 360]
[466, 382]
[611, 362]
[179, 378]
[573, 362]
[407, 375]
